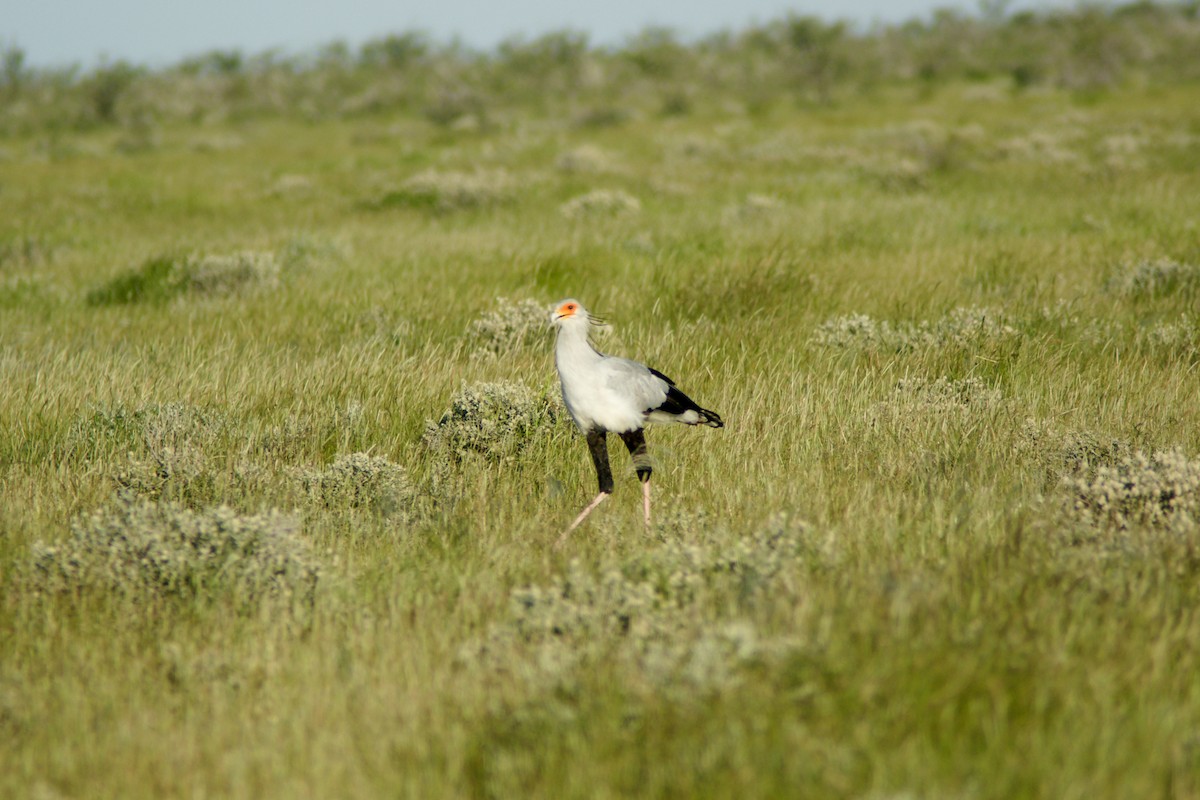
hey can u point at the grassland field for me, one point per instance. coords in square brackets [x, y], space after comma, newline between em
[282, 459]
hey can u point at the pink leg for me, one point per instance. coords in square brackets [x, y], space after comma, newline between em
[582, 516]
[646, 501]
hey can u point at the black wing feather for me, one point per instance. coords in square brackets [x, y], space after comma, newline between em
[677, 403]
[658, 374]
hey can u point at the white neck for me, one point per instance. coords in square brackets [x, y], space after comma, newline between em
[572, 350]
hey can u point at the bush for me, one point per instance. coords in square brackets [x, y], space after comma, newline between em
[936, 423]
[1148, 279]
[450, 106]
[676, 616]
[166, 277]
[962, 328]
[23, 252]
[562, 76]
[145, 550]
[584, 159]
[1063, 454]
[443, 192]
[229, 274]
[755, 206]
[1157, 490]
[511, 325]
[1180, 336]
[174, 451]
[601, 203]
[941, 396]
[493, 420]
[362, 481]
[149, 428]
[154, 281]
[106, 87]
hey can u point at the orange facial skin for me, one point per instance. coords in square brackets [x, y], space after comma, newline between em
[566, 310]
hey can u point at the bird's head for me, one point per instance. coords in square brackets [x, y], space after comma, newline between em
[572, 312]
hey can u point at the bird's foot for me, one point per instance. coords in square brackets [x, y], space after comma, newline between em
[582, 516]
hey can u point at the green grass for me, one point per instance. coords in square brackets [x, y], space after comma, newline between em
[872, 583]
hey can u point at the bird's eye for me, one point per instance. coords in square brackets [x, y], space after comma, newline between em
[570, 307]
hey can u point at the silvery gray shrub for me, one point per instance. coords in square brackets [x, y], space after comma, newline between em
[601, 203]
[964, 328]
[491, 420]
[512, 324]
[1155, 278]
[679, 616]
[1160, 489]
[361, 481]
[142, 549]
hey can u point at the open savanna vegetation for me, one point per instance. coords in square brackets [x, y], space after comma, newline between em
[282, 456]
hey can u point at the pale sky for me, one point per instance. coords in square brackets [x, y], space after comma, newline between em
[159, 32]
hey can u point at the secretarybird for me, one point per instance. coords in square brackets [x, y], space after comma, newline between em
[606, 394]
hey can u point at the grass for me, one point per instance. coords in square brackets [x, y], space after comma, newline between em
[947, 330]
